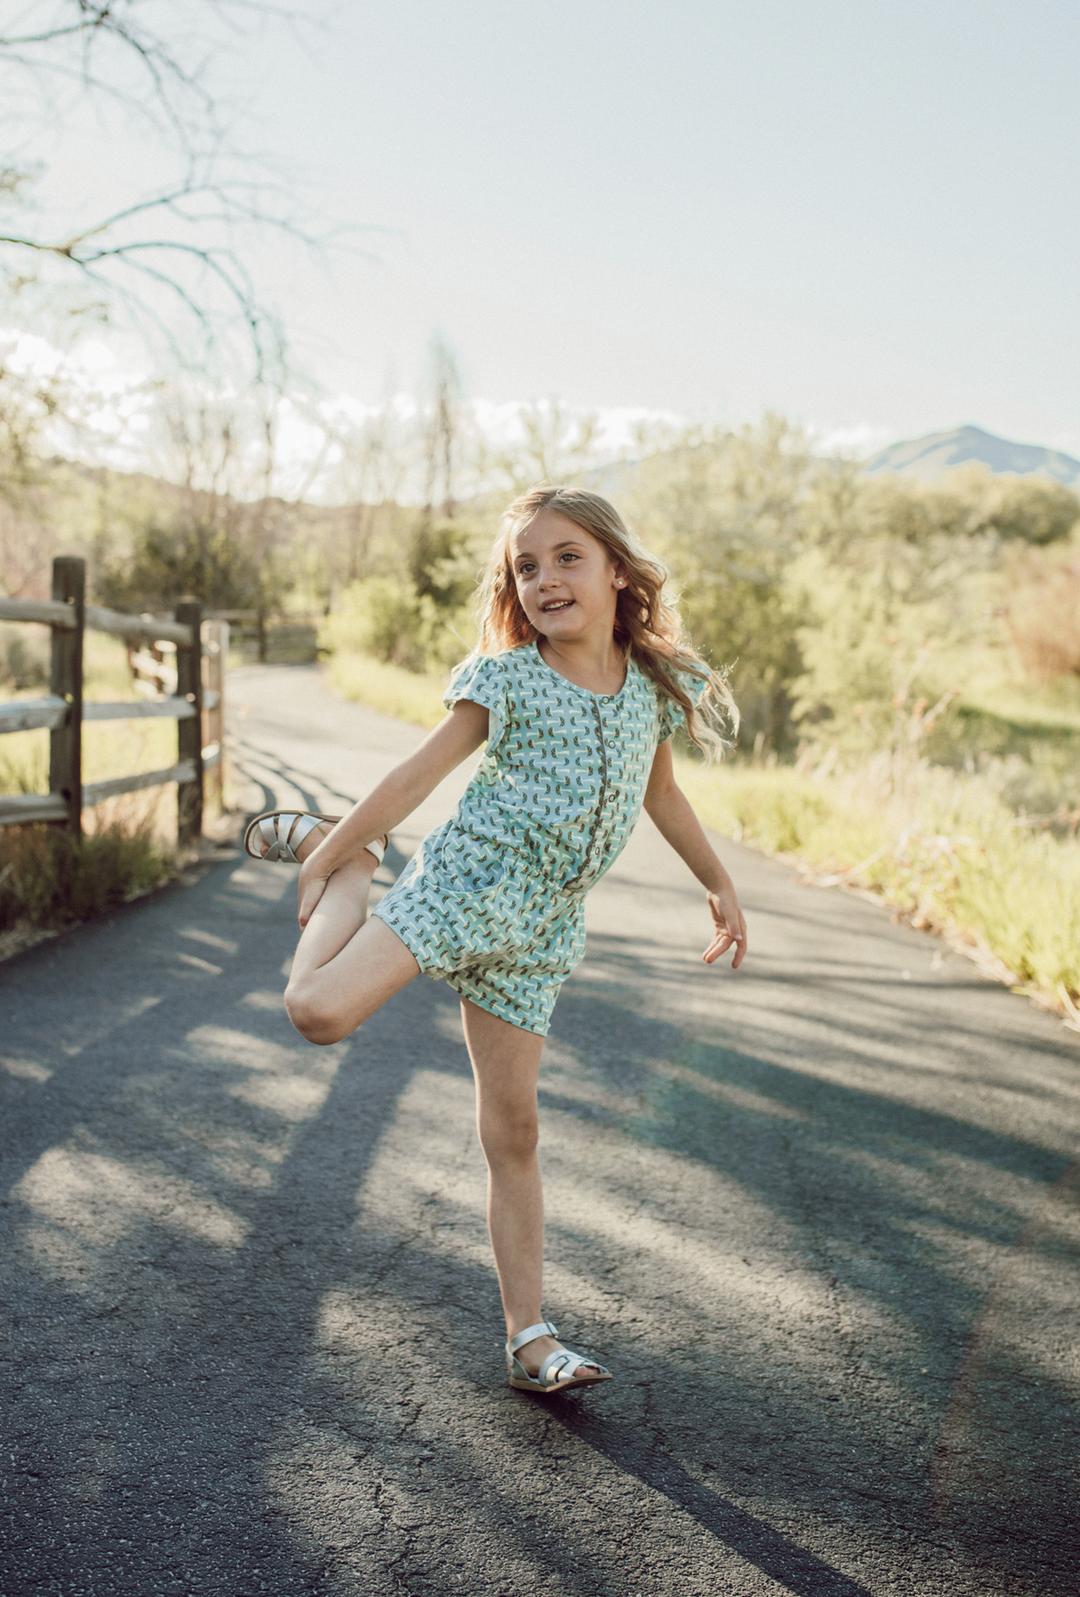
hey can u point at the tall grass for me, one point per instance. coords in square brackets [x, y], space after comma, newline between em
[938, 845]
[50, 879]
[408, 695]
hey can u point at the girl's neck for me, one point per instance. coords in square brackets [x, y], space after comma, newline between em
[599, 666]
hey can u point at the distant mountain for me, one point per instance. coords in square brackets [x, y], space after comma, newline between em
[929, 458]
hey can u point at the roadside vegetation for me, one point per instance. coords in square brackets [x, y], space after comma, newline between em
[48, 879]
[941, 847]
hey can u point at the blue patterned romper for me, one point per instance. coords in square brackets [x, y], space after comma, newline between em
[493, 902]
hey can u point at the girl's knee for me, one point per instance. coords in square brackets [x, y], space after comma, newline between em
[509, 1137]
[313, 1018]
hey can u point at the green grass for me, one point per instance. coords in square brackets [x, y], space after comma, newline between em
[50, 879]
[407, 695]
[939, 846]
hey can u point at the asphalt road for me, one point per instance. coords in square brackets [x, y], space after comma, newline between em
[821, 1216]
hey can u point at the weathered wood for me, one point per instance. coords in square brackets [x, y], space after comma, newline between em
[63, 711]
[50, 613]
[151, 631]
[23, 715]
[96, 792]
[216, 654]
[139, 710]
[147, 666]
[43, 610]
[65, 742]
[189, 795]
[20, 809]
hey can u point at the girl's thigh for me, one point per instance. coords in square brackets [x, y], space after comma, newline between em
[329, 1002]
[505, 1061]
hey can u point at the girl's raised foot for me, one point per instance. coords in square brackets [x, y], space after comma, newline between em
[292, 835]
[548, 1366]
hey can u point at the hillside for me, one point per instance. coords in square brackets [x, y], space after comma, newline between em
[931, 457]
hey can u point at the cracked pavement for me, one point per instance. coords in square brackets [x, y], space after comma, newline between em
[820, 1216]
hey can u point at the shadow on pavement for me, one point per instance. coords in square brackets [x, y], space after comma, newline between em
[254, 1348]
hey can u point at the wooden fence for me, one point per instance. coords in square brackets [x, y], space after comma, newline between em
[191, 702]
[271, 639]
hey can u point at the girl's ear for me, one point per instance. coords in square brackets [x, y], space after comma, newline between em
[618, 576]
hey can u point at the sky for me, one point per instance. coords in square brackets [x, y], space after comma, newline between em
[861, 214]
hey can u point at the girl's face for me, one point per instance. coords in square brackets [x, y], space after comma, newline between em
[567, 582]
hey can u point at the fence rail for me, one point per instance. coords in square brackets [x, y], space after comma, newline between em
[197, 709]
[53, 614]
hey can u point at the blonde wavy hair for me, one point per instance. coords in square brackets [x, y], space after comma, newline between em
[648, 626]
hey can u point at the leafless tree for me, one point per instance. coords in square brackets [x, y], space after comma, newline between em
[441, 434]
[554, 444]
[179, 248]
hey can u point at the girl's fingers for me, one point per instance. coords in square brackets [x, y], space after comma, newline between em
[309, 900]
[722, 942]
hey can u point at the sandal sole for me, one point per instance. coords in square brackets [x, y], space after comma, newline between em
[561, 1386]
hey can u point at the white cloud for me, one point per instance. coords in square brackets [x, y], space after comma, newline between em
[858, 439]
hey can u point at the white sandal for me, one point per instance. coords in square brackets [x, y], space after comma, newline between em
[559, 1371]
[284, 830]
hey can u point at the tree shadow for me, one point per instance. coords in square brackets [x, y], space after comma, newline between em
[239, 1367]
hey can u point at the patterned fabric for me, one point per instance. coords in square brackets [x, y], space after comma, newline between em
[493, 902]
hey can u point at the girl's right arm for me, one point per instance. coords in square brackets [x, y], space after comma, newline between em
[396, 796]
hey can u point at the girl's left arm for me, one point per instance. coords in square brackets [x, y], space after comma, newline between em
[669, 809]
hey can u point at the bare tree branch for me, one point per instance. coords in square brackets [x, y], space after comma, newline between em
[203, 210]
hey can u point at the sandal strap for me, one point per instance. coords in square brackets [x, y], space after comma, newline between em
[275, 830]
[283, 831]
[292, 830]
[561, 1366]
[530, 1333]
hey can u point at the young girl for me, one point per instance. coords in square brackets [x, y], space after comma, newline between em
[579, 681]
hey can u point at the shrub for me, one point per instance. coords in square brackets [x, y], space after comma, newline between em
[1043, 613]
[387, 619]
[24, 658]
[49, 878]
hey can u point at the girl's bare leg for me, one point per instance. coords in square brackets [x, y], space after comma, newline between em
[506, 1063]
[346, 966]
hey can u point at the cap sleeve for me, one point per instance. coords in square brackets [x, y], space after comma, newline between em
[482, 680]
[672, 715]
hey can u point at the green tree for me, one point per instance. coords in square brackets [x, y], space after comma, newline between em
[723, 509]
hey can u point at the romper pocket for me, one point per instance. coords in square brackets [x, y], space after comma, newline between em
[471, 866]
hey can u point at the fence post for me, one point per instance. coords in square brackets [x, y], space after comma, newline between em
[217, 636]
[189, 795]
[66, 681]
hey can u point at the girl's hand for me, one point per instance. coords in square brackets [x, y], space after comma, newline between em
[312, 885]
[730, 927]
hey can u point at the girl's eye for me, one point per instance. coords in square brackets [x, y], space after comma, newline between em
[568, 554]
